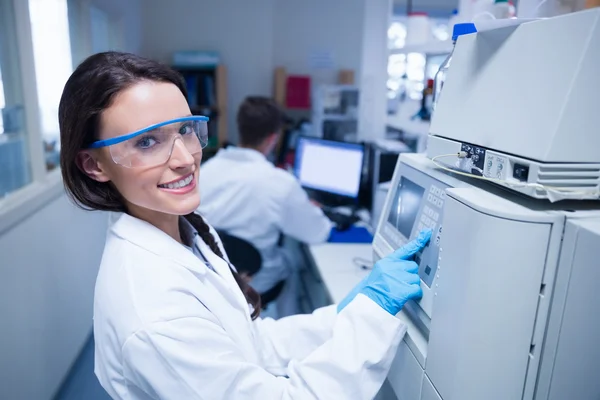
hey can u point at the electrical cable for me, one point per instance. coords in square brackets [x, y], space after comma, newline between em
[363, 263]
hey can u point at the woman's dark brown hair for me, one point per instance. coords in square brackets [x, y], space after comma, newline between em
[90, 90]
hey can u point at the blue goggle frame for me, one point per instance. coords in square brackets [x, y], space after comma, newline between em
[119, 139]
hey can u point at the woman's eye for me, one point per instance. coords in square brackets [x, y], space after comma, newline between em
[185, 129]
[146, 142]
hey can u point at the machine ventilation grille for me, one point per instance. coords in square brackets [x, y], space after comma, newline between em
[569, 176]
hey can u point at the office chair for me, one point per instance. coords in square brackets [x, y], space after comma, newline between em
[246, 258]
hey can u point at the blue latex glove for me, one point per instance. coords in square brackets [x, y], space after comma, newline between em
[394, 279]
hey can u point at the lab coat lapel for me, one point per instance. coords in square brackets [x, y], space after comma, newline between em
[230, 286]
[219, 300]
[149, 237]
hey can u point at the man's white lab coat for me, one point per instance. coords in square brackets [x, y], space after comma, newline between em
[247, 196]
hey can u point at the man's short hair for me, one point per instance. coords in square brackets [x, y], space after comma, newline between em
[257, 118]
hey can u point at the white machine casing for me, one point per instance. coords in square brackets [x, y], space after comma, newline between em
[510, 305]
[526, 95]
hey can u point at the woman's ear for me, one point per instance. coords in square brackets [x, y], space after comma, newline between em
[90, 166]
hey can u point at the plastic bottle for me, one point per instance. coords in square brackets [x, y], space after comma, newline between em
[503, 9]
[418, 29]
[440, 76]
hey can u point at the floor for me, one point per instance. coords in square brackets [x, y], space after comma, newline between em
[81, 382]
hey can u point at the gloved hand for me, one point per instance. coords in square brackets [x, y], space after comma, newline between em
[394, 279]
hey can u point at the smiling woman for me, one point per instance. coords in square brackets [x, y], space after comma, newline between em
[172, 317]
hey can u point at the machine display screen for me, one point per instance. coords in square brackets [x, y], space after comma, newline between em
[405, 206]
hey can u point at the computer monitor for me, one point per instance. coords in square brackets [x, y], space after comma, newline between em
[329, 167]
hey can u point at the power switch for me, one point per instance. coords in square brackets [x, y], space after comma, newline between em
[521, 172]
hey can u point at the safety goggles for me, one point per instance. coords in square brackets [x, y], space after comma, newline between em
[153, 145]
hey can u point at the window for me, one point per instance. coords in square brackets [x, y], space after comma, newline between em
[15, 168]
[2, 103]
[53, 66]
[407, 73]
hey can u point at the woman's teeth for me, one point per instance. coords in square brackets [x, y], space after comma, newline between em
[179, 184]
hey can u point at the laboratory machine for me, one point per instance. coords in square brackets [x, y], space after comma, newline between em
[509, 186]
[521, 103]
[510, 302]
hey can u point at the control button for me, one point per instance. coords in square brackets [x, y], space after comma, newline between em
[421, 226]
[431, 189]
[436, 215]
[443, 195]
[430, 198]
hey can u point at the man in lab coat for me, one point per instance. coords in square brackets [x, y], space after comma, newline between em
[247, 196]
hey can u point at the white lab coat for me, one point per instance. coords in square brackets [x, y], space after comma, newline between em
[247, 196]
[168, 327]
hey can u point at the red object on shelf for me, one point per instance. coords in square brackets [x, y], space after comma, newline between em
[298, 92]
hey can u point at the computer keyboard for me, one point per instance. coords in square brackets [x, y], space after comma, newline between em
[342, 221]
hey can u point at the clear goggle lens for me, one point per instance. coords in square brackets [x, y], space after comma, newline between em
[153, 146]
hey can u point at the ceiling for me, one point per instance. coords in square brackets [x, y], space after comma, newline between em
[435, 8]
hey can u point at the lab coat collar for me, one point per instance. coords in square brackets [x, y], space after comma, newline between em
[242, 154]
[152, 239]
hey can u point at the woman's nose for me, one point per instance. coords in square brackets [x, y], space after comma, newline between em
[180, 156]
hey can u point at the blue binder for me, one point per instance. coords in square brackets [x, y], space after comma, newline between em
[355, 234]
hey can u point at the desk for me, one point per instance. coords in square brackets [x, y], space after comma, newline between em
[331, 272]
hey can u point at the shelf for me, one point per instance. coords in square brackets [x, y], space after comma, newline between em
[437, 47]
[336, 117]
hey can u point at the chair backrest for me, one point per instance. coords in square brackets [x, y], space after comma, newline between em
[242, 254]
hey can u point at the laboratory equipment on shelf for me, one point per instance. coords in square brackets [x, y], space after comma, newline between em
[335, 112]
[425, 110]
[519, 107]
[509, 306]
[440, 76]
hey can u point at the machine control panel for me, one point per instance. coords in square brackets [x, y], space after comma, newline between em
[416, 207]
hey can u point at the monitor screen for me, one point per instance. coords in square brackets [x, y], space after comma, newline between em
[328, 166]
[405, 206]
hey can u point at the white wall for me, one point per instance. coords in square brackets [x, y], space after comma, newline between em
[308, 26]
[128, 15]
[240, 31]
[255, 37]
[127, 31]
[48, 269]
